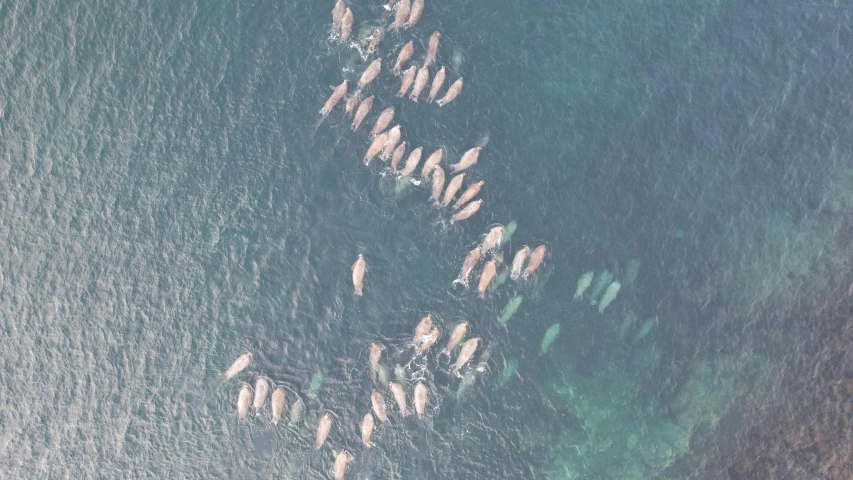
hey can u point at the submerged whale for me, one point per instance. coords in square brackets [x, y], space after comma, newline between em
[296, 411]
[609, 296]
[511, 308]
[548, 339]
[583, 283]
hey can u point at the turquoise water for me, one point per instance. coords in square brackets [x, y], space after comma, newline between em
[170, 198]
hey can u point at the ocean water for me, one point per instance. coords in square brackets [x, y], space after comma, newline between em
[170, 198]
